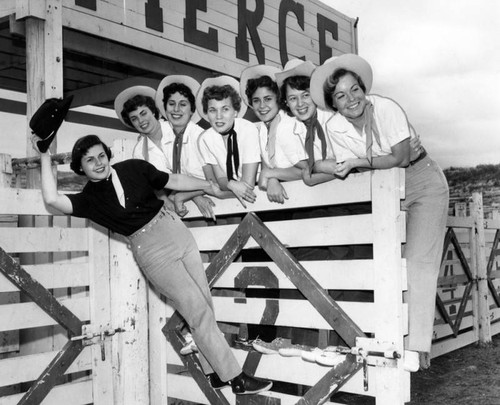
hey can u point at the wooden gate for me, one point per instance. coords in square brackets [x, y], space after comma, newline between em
[383, 319]
[58, 321]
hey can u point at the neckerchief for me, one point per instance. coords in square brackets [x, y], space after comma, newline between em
[233, 155]
[313, 127]
[117, 185]
[176, 152]
[370, 127]
[145, 150]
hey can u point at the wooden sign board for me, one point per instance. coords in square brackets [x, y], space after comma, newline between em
[220, 35]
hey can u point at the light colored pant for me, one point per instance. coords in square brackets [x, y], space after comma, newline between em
[426, 204]
[167, 254]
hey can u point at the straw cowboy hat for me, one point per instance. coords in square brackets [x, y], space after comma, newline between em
[47, 119]
[127, 94]
[188, 81]
[347, 61]
[218, 81]
[295, 67]
[254, 72]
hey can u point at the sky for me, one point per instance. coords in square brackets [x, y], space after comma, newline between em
[440, 60]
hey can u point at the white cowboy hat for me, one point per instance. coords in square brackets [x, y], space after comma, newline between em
[218, 81]
[254, 72]
[127, 94]
[347, 61]
[191, 83]
[295, 67]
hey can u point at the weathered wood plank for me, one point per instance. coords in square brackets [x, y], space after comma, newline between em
[293, 370]
[391, 323]
[49, 377]
[53, 276]
[30, 315]
[184, 387]
[23, 240]
[251, 310]
[345, 230]
[79, 392]
[330, 275]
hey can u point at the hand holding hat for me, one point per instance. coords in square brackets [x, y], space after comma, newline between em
[47, 119]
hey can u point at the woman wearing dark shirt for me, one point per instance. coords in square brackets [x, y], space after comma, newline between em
[122, 198]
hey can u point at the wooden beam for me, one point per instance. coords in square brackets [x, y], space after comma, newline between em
[118, 53]
[42, 297]
[50, 376]
[106, 93]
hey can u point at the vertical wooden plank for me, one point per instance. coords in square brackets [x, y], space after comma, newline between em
[100, 313]
[391, 383]
[157, 348]
[44, 77]
[5, 170]
[484, 327]
[474, 271]
[129, 310]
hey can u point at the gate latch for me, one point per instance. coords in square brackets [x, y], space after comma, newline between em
[92, 335]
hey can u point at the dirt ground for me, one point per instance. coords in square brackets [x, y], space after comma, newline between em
[468, 376]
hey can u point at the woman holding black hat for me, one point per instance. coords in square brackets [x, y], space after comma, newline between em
[122, 198]
[373, 132]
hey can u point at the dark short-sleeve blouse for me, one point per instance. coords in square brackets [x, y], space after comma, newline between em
[98, 200]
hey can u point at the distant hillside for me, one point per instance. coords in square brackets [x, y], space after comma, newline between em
[463, 181]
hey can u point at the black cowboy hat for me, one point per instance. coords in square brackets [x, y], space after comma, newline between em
[48, 118]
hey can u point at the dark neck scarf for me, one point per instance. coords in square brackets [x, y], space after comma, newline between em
[233, 154]
[314, 127]
[176, 152]
[367, 121]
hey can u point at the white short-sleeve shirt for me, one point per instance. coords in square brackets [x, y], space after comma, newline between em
[289, 150]
[213, 149]
[161, 158]
[392, 124]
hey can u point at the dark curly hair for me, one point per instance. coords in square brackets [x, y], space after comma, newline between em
[332, 81]
[220, 93]
[134, 103]
[80, 149]
[262, 81]
[295, 82]
[180, 88]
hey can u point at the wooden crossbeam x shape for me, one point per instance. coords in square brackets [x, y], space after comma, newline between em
[451, 239]
[46, 301]
[489, 268]
[252, 226]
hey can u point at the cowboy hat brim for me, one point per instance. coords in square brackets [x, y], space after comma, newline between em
[127, 94]
[218, 81]
[48, 118]
[254, 72]
[191, 83]
[347, 61]
[295, 67]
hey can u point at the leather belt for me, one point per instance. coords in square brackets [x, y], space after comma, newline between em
[419, 158]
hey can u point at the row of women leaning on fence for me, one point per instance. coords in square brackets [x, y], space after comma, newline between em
[315, 124]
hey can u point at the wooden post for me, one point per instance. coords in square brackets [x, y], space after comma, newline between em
[100, 314]
[5, 170]
[44, 78]
[461, 209]
[483, 309]
[392, 383]
[129, 310]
